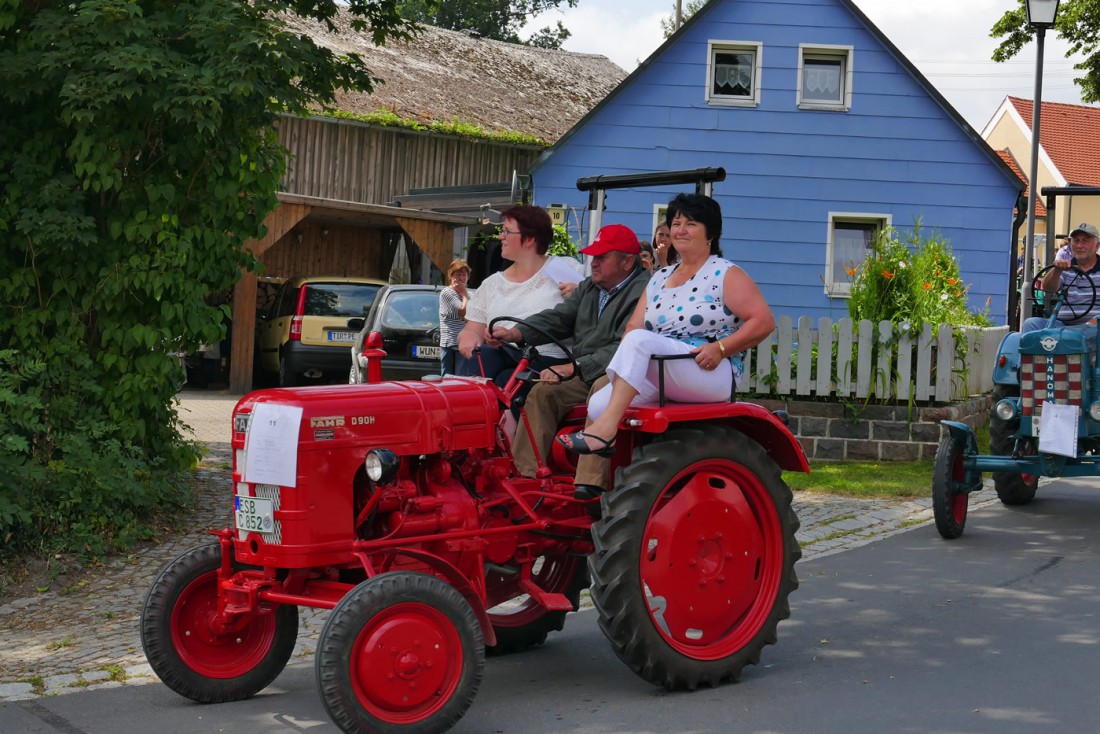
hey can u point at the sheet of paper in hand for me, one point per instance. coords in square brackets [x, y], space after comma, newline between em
[271, 445]
[1059, 429]
[560, 272]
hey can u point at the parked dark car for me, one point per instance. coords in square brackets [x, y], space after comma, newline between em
[406, 321]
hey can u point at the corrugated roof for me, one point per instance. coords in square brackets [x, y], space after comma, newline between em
[1010, 160]
[445, 76]
[1070, 135]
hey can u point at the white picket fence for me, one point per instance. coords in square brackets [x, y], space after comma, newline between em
[921, 368]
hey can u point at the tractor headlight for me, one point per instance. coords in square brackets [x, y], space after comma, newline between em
[381, 465]
[1094, 411]
[1005, 409]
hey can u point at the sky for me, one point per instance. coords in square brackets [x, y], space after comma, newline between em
[948, 40]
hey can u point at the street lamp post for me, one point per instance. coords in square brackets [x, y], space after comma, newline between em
[1040, 16]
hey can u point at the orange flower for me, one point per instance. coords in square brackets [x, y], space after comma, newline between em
[887, 274]
[927, 286]
[951, 281]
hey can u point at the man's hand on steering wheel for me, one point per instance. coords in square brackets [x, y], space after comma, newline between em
[557, 374]
[1059, 295]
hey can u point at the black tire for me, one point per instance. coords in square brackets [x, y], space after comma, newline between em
[195, 658]
[696, 613]
[1012, 488]
[526, 624]
[949, 504]
[401, 652]
[287, 377]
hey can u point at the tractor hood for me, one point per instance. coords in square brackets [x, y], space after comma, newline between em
[408, 417]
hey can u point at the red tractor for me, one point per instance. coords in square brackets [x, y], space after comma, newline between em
[397, 506]
[403, 514]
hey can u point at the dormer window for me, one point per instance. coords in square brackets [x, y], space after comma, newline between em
[825, 77]
[733, 73]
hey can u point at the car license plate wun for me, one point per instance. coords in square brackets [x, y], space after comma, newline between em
[421, 352]
[255, 514]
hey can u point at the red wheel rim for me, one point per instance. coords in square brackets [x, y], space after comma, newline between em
[206, 647]
[554, 575]
[712, 559]
[406, 663]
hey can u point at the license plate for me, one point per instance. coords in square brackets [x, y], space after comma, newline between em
[428, 352]
[255, 514]
[342, 336]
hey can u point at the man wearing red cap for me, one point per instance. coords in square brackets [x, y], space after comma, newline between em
[594, 316]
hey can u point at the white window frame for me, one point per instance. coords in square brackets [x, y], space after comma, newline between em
[716, 47]
[658, 218]
[844, 54]
[836, 286]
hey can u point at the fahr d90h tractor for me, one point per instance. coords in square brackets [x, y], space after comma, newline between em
[396, 506]
[1054, 366]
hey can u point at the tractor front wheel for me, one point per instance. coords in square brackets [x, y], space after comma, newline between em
[1012, 488]
[401, 652]
[195, 654]
[949, 503]
[694, 557]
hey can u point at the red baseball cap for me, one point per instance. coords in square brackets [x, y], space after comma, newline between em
[614, 237]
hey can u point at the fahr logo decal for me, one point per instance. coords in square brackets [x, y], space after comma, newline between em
[1048, 343]
[362, 420]
[328, 421]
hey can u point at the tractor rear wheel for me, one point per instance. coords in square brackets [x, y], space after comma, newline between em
[1012, 488]
[401, 652]
[949, 505]
[694, 557]
[526, 623]
[192, 653]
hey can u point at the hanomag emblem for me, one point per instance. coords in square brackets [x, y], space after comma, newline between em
[1048, 343]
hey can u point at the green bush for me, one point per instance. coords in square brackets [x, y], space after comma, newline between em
[911, 280]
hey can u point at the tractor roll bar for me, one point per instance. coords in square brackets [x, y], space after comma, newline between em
[698, 176]
[596, 186]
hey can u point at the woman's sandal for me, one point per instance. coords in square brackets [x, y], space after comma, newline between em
[576, 443]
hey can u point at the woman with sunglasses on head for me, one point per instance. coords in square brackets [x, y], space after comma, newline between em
[521, 289]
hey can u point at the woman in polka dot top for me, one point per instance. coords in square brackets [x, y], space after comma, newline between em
[702, 305]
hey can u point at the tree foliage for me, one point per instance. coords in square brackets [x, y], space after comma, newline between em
[139, 157]
[688, 9]
[500, 20]
[1078, 23]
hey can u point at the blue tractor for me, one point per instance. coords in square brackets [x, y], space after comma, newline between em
[1055, 365]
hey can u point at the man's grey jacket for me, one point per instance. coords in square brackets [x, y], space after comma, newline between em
[594, 339]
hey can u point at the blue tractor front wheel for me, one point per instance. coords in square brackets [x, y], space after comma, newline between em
[949, 496]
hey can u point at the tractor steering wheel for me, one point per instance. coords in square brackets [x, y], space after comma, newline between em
[550, 339]
[1057, 300]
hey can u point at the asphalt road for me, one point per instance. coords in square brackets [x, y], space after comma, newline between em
[998, 631]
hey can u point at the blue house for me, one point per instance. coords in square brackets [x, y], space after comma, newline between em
[827, 133]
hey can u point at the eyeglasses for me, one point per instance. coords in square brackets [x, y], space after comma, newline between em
[508, 232]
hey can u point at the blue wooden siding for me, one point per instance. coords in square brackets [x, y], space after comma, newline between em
[895, 153]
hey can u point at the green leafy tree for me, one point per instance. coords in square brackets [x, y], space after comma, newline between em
[1078, 23]
[139, 157]
[668, 25]
[500, 20]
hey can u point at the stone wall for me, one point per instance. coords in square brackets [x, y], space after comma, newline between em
[830, 431]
